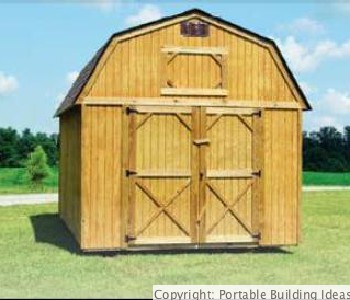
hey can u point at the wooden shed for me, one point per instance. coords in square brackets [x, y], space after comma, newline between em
[182, 133]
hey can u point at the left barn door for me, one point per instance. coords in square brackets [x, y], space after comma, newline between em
[159, 170]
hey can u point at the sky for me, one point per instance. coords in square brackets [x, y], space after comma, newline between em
[44, 45]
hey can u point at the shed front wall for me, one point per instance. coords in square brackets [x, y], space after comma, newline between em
[134, 67]
[69, 176]
[104, 214]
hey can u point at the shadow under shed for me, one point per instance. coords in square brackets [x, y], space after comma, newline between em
[50, 229]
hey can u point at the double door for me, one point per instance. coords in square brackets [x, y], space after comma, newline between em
[193, 174]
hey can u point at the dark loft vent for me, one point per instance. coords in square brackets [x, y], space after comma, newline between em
[194, 29]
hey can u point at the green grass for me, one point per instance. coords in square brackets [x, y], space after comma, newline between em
[322, 178]
[39, 258]
[16, 181]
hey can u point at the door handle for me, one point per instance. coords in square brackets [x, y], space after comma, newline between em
[201, 142]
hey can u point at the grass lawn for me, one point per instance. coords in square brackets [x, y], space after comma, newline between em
[321, 178]
[15, 181]
[39, 258]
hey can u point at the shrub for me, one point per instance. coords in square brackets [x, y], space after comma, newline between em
[37, 167]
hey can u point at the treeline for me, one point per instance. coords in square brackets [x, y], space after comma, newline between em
[15, 147]
[327, 150]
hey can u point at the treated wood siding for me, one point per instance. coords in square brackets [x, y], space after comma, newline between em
[281, 176]
[137, 66]
[69, 176]
[101, 177]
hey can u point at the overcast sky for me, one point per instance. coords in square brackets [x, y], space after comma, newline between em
[44, 44]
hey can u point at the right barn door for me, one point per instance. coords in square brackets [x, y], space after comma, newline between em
[230, 175]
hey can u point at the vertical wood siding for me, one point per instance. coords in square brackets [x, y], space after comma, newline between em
[136, 65]
[70, 164]
[101, 177]
[281, 173]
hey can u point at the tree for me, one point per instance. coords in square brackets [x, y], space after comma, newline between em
[37, 167]
[8, 150]
[26, 144]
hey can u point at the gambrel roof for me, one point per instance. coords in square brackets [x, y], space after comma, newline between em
[88, 70]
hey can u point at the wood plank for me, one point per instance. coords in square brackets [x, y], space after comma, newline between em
[163, 70]
[193, 92]
[85, 175]
[267, 180]
[195, 50]
[188, 102]
[262, 145]
[289, 179]
[94, 209]
[125, 183]
[161, 240]
[159, 173]
[195, 170]
[232, 111]
[109, 178]
[299, 173]
[202, 177]
[163, 109]
[117, 175]
[131, 178]
[100, 170]
[242, 173]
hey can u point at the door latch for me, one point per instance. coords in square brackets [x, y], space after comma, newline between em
[201, 142]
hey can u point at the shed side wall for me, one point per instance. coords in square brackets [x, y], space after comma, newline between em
[282, 177]
[69, 176]
[134, 68]
[101, 177]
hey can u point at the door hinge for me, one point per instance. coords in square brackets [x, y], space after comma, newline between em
[129, 238]
[257, 173]
[256, 235]
[130, 109]
[130, 172]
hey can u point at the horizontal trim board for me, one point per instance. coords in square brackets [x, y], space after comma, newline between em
[162, 174]
[203, 246]
[162, 240]
[229, 238]
[163, 109]
[193, 92]
[230, 173]
[105, 101]
[195, 50]
[222, 246]
[232, 111]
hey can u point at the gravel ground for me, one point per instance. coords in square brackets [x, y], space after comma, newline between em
[7, 200]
